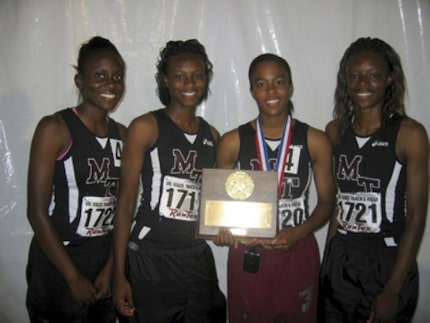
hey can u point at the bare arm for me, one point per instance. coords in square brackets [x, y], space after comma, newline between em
[103, 279]
[322, 166]
[51, 137]
[228, 150]
[226, 158]
[215, 134]
[413, 149]
[332, 227]
[141, 136]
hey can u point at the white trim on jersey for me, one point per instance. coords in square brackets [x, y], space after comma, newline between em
[156, 178]
[73, 188]
[390, 193]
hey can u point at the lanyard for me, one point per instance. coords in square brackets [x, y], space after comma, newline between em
[283, 150]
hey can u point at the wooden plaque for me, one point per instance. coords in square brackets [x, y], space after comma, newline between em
[244, 201]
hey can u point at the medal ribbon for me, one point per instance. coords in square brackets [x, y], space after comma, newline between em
[283, 150]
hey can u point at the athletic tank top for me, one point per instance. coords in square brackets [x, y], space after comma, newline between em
[293, 207]
[171, 178]
[85, 182]
[371, 187]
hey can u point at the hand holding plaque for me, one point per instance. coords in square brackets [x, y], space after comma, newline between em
[241, 200]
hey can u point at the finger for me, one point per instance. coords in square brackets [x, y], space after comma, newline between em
[371, 317]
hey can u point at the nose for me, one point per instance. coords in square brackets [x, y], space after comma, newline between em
[363, 78]
[189, 80]
[270, 87]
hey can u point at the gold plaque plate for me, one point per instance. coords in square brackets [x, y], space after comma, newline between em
[241, 200]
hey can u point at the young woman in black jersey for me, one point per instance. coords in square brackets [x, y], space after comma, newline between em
[72, 179]
[369, 273]
[161, 272]
[285, 286]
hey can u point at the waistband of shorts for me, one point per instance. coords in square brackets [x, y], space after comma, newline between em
[299, 245]
[366, 243]
[136, 245]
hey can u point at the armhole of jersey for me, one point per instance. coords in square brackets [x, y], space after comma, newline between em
[64, 153]
[69, 146]
[156, 116]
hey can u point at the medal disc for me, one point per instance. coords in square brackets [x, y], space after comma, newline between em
[239, 185]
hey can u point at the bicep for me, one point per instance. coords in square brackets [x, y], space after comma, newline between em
[48, 141]
[141, 136]
[228, 151]
[322, 164]
[416, 154]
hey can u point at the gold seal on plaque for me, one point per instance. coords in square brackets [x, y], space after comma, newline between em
[239, 185]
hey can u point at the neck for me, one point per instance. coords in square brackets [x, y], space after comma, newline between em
[185, 118]
[94, 119]
[366, 123]
[273, 127]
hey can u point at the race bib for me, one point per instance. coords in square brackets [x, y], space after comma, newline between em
[179, 199]
[360, 212]
[96, 216]
[291, 213]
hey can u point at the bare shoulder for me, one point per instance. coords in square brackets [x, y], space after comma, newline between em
[230, 136]
[143, 130]
[330, 130]
[412, 126]
[54, 127]
[318, 143]
[51, 138]
[317, 136]
[145, 122]
[412, 138]
[228, 150]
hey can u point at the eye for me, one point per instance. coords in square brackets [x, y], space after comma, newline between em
[199, 76]
[259, 85]
[374, 76]
[100, 76]
[180, 76]
[118, 77]
[280, 82]
[352, 76]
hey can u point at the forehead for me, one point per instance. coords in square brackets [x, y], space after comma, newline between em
[186, 60]
[102, 57]
[269, 67]
[369, 58]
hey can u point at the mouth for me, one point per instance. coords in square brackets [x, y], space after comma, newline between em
[189, 94]
[272, 101]
[108, 96]
[363, 95]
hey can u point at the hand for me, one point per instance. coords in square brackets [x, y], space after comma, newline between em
[266, 243]
[123, 296]
[286, 239]
[102, 283]
[82, 290]
[225, 238]
[385, 308]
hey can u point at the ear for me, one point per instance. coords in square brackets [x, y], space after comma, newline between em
[251, 90]
[78, 81]
[390, 79]
[291, 91]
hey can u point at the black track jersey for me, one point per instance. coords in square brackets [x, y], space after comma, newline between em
[371, 187]
[293, 203]
[171, 178]
[85, 181]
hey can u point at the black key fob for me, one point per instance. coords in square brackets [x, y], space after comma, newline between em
[251, 261]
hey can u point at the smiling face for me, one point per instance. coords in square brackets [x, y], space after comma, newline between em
[368, 78]
[271, 88]
[102, 81]
[186, 80]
